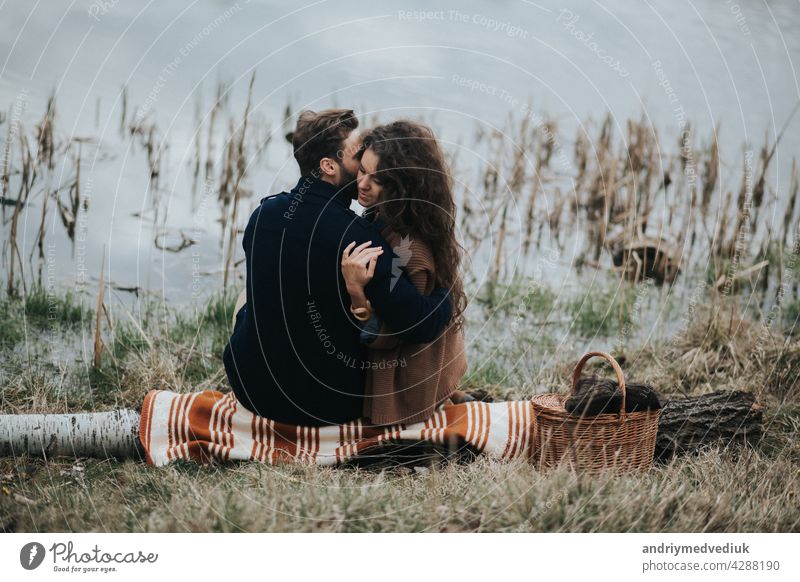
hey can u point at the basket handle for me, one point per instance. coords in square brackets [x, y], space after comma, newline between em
[610, 359]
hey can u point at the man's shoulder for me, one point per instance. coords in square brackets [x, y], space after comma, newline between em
[285, 207]
[267, 206]
[272, 196]
[271, 201]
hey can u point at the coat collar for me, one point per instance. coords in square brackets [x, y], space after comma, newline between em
[314, 186]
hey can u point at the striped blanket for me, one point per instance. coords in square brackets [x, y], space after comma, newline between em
[212, 427]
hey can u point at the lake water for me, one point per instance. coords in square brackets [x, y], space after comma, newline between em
[458, 65]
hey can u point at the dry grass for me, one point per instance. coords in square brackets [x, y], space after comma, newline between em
[743, 489]
[714, 491]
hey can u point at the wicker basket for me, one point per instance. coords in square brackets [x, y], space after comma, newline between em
[621, 442]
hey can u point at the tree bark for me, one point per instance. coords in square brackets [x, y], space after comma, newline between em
[90, 434]
[685, 425]
[725, 417]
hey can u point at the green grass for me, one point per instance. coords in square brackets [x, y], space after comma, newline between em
[11, 332]
[210, 324]
[522, 294]
[40, 310]
[43, 308]
[126, 338]
[791, 317]
[486, 376]
[603, 311]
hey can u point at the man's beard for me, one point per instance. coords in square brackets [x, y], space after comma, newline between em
[348, 183]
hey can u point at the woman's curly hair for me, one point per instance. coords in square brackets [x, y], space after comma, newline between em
[417, 197]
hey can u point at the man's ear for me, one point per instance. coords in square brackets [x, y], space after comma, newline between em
[328, 167]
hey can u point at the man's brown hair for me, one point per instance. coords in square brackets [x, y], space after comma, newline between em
[320, 135]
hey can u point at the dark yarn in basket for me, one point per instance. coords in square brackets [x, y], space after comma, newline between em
[595, 396]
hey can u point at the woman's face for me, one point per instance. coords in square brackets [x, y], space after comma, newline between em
[369, 188]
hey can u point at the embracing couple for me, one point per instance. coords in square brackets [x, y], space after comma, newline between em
[347, 316]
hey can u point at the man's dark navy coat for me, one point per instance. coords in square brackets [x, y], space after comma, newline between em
[295, 354]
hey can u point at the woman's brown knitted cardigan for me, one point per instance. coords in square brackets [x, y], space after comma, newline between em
[405, 382]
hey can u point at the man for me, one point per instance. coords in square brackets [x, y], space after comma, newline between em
[295, 354]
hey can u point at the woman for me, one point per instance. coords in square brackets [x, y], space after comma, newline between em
[404, 183]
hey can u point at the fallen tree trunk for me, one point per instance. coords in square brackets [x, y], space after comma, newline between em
[90, 434]
[725, 417]
[685, 425]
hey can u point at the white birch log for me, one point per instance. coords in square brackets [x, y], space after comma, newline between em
[89, 434]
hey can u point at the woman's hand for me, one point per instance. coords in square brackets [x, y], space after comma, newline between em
[358, 268]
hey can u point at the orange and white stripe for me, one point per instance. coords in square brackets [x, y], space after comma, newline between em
[209, 425]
